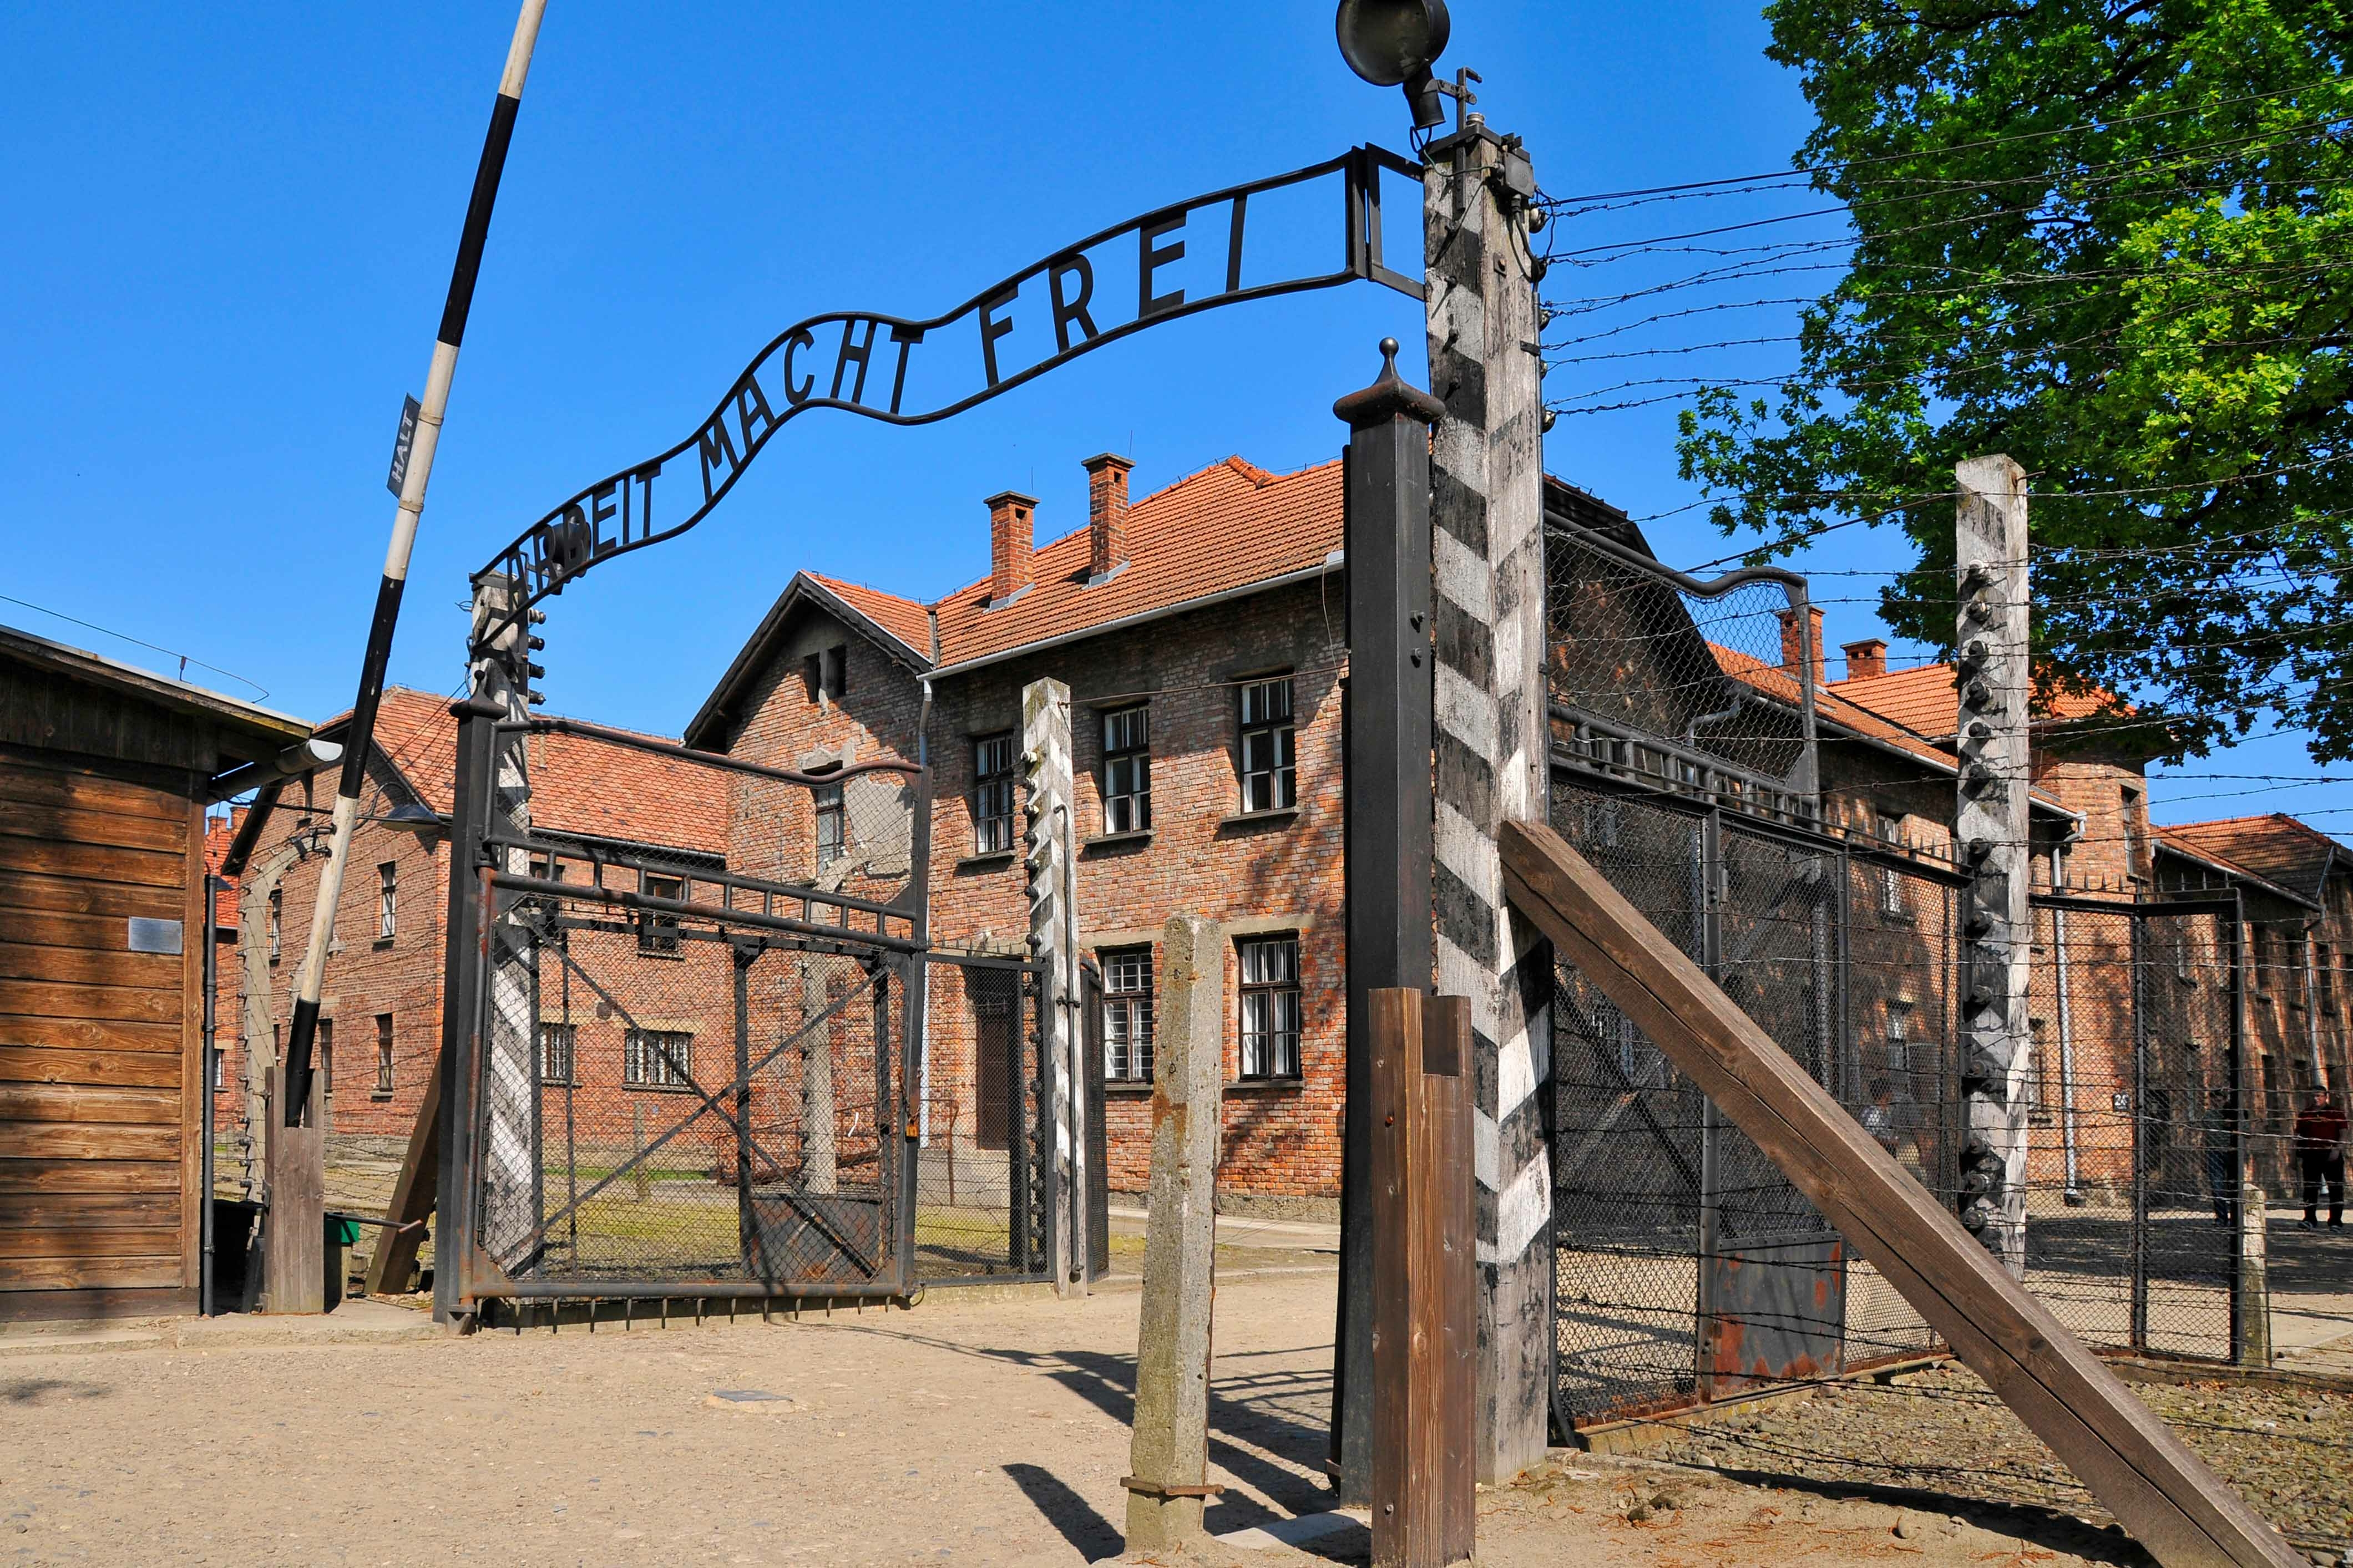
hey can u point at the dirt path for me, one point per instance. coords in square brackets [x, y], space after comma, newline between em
[980, 1431]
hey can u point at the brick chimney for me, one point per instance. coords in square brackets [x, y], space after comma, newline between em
[1011, 539]
[1106, 513]
[1813, 649]
[1865, 660]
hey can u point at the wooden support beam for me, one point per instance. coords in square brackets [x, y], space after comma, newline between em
[2147, 1477]
[413, 1193]
[1425, 1284]
[294, 1262]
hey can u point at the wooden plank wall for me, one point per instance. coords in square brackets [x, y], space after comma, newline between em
[99, 1044]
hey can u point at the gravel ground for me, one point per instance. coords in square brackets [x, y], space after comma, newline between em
[975, 1428]
[2289, 1449]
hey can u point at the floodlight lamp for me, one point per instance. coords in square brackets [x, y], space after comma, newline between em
[1388, 42]
[1393, 43]
[413, 818]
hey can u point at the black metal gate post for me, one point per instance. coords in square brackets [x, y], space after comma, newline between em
[2137, 949]
[462, 978]
[748, 1224]
[1391, 805]
[1707, 902]
[2234, 933]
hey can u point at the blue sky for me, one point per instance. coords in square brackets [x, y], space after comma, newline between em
[229, 231]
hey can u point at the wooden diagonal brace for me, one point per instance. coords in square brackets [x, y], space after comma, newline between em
[2147, 1477]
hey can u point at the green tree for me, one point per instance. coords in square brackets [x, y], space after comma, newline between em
[2116, 241]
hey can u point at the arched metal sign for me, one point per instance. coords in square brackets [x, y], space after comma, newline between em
[1112, 284]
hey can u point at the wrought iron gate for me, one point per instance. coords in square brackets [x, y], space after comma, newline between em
[672, 1077]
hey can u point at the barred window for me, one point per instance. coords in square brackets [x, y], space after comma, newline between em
[384, 1053]
[556, 1043]
[992, 795]
[657, 1058]
[387, 898]
[1270, 1007]
[1127, 1014]
[828, 824]
[1270, 774]
[1127, 770]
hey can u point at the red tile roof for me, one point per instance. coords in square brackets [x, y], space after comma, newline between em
[1228, 526]
[2275, 847]
[1926, 702]
[906, 619]
[578, 785]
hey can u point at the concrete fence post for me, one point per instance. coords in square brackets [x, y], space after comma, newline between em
[1169, 1453]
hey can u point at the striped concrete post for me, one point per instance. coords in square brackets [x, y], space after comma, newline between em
[1491, 753]
[1054, 942]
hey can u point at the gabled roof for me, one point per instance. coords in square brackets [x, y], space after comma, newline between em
[2274, 848]
[578, 786]
[900, 628]
[1232, 527]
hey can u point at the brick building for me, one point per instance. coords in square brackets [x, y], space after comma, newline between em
[380, 1011]
[1199, 632]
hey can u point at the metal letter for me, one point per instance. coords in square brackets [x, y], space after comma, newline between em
[795, 341]
[991, 330]
[1066, 311]
[1150, 258]
[858, 387]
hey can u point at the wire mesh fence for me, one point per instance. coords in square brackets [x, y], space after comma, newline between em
[1655, 676]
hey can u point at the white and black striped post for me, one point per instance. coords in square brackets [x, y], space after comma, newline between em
[311, 978]
[1990, 825]
[1492, 746]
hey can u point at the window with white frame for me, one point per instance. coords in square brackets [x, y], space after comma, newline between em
[992, 795]
[277, 910]
[657, 1058]
[1127, 770]
[1270, 768]
[1899, 1036]
[556, 1042]
[1127, 1014]
[387, 901]
[1270, 993]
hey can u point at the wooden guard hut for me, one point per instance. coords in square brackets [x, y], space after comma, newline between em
[105, 773]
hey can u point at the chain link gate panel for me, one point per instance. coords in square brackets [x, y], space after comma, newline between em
[2137, 1136]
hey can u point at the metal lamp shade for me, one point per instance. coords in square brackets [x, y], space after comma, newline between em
[1391, 42]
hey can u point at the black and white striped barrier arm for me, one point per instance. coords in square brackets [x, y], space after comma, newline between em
[310, 979]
